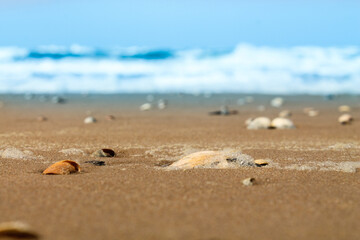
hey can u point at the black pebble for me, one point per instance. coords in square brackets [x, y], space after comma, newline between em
[96, 163]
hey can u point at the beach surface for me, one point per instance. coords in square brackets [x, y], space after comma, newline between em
[309, 190]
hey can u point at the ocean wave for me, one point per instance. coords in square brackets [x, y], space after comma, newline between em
[246, 68]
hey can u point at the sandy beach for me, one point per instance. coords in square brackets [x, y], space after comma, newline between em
[309, 190]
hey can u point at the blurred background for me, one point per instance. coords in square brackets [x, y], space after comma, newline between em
[158, 46]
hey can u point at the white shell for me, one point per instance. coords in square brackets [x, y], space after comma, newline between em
[345, 119]
[313, 113]
[89, 120]
[162, 104]
[277, 102]
[145, 107]
[344, 108]
[285, 113]
[213, 159]
[259, 123]
[282, 123]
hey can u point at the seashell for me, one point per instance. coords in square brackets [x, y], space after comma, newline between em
[345, 119]
[313, 113]
[285, 114]
[277, 102]
[105, 152]
[110, 117]
[162, 104]
[90, 120]
[248, 181]
[63, 167]
[260, 162]
[41, 118]
[145, 107]
[307, 110]
[17, 229]
[344, 108]
[213, 159]
[282, 123]
[259, 123]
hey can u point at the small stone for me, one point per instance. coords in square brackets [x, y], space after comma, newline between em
[41, 118]
[96, 163]
[145, 107]
[17, 229]
[248, 181]
[277, 102]
[58, 99]
[110, 117]
[285, 114]
[344, 108]
[162, 104]
[260, 162]
[89, 120]
[345, 119]
[307, 110]
[313, 113]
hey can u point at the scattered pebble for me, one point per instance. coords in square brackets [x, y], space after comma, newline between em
[17, 229]
[96, 163]
[213, 159]
[224, 110]
[162, 104]
[307, 110]
[313, 113]
[258, 123]
[58, 99]
[72, 151]
[345, 119]
[248, 181]
[110, 117]
[277, 102]
[41, 119]
[145, 107]
[14, 153]
[285, 114]
[282, 123]
[105, 152]
[63, 167]
[344, 108]
[89, 120]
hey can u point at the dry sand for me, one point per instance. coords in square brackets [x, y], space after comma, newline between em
[310, 190]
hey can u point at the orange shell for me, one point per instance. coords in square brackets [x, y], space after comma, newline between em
[62, 168]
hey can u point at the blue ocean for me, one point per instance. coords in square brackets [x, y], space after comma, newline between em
[242, 69]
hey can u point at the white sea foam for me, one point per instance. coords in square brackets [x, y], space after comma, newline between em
[245, 69]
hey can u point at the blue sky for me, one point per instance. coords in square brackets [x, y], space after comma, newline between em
[179, 24]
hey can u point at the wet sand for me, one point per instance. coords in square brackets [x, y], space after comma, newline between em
[310, 190]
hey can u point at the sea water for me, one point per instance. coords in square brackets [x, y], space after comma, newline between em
[243, 69]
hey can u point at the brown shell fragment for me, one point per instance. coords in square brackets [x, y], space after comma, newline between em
[105, 152]
[64, 167]
[17, 230]
[260, 162]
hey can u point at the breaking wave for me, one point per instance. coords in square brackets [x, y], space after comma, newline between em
[244, 69]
